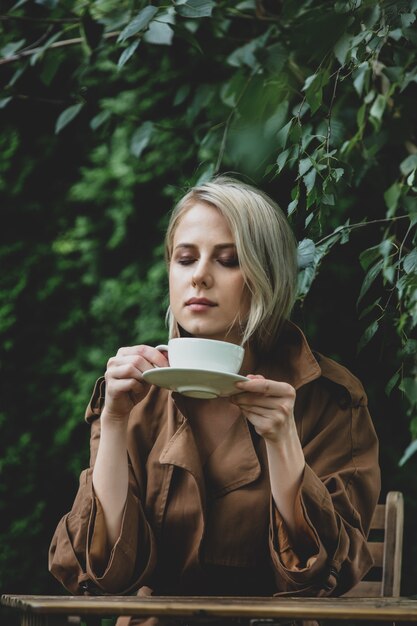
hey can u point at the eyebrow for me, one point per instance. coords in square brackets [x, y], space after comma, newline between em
[218, 246]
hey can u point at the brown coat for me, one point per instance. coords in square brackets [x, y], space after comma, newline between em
[193, 530]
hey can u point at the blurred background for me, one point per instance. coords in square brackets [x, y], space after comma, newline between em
[109, 112]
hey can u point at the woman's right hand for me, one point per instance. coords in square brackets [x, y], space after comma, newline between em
[125, 386]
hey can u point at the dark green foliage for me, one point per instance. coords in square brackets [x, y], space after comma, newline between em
[108, 113]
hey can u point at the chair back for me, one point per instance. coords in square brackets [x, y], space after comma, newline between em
[385, 543]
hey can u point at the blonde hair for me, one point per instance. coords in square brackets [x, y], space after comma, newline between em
[266, 249]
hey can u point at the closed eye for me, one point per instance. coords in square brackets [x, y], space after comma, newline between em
[229, 261]
[186, 260]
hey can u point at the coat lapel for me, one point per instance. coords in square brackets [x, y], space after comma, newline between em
[234, 463]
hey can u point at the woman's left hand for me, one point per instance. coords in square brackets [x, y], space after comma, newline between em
[269, 406]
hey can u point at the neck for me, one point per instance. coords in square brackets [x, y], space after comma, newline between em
[249, 362]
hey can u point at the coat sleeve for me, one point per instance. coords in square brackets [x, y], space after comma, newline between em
[79, 556]
[336, 499]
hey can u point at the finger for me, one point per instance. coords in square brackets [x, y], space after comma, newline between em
[152, 355]
[128, 385]
[125, 371]
[258, 412]
[260, 423]
[143, 360]
[156, 357]
[247, 400]
[266, 387]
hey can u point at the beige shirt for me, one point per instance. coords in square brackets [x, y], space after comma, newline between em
[190, 529]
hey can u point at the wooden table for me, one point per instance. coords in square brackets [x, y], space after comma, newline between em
[54, 610]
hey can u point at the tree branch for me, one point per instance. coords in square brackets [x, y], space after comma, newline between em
[57, 44]
[39, 20]
[360, 224]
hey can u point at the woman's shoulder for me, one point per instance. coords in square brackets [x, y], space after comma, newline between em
[302, 366]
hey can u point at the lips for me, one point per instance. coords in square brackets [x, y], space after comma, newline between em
[199, 305]
[202, 301]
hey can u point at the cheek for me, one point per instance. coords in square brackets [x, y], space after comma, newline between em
[175, 285]
[238, 291]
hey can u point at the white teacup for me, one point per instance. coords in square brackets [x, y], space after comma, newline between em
[204, 354]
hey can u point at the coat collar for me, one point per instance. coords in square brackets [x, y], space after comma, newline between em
[235, 463]
[291, 360]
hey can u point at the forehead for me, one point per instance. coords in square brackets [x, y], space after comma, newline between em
[202, 221]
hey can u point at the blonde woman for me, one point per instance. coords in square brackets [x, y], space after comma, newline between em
[267, 491]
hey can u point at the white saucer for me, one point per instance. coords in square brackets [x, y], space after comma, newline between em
[194, 383]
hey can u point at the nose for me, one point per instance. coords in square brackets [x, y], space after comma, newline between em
[202, 276]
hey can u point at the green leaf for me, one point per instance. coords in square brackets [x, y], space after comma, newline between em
[141, 138]
[408, 453]
[9, 49]
[370, 277]
[139, 23]
[159, 33]
[282, 135]
[205, 175]
[67, 116]
[100, 119]
[230, 91]
[127, 54]
[410, 262]
[391, 383]
[391, 197]
[276, 58]
[410, 77]
[292, 206]
[342, 47]
[360, 117]
[305, 280]
[378, 107]
[360, 76]
[369, 308]
[309, 180]
[17, 5]
[367, 335]
[409, 387]
[305, 253]
[196, 8]
[51, 64]
[407, 19]
[328, 199]
[385, 248]
[313, 87]
[282, 159]
[245, 55]
[393, 73]
[410, 347]
[40, 52]
[368, 256]
[277, 119]
[4, 102]
[409, 164]
[181, 94]
[304, 165]
[309, 81]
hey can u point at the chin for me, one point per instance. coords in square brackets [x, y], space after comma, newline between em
[202, 333]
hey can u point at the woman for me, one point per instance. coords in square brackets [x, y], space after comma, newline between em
[269, 491]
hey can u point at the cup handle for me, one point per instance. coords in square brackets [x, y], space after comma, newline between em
[161, 347]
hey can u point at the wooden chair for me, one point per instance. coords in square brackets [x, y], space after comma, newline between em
[384, 579]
